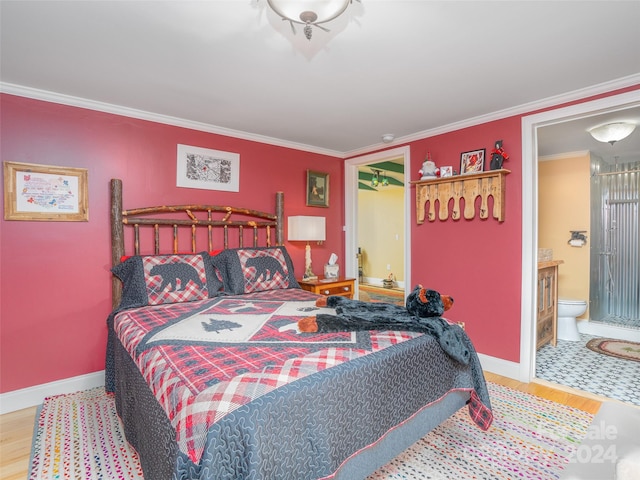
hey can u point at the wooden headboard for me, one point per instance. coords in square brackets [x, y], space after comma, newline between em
[200, 222]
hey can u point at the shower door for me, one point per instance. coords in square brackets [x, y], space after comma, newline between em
[615, 248]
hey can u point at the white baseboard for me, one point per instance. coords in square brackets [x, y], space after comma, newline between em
[499, 366]
[378, 282]
[32, 396]
[601, 329]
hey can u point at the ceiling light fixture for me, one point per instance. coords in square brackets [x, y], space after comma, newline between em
[379, 178]
[612, 132]
[375, 178]
[309, 12]
[388, 137]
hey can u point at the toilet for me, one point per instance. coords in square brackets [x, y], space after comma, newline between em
[568, 310]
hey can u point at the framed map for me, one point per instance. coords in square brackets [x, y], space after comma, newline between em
[45, 193]
[208, 169]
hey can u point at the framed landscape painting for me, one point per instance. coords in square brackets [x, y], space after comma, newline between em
[317, 189]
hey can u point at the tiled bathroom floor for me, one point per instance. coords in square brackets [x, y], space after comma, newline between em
[622, 322]
[572, 364]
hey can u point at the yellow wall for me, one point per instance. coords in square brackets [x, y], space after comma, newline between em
[381, 232]
[564, 205]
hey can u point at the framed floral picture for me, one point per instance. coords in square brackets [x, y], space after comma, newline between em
[472, 162]
[317, 189]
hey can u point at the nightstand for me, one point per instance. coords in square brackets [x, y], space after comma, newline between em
[343, 287]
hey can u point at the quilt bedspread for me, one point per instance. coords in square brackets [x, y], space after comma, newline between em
[205, 360]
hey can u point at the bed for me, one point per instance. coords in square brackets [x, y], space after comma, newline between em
[212, 380]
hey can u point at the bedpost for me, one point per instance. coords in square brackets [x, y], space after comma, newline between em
[117, 238]
[280, 218]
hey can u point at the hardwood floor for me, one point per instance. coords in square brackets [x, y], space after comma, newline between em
[577, 399]
[16, 432]
[16, 428]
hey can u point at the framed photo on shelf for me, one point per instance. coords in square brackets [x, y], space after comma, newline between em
[446, 171]
[317, 189]
[472, 162]
[45, 193]
[199, 167]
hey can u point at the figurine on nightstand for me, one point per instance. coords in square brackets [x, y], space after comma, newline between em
[498, 155]
[429, 171]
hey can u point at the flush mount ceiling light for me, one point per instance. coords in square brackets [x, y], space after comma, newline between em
[612, 132]
[309, 12]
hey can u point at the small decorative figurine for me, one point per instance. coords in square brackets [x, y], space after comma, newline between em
[498, 155]
[429, 170]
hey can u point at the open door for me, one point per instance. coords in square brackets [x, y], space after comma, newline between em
[356, 175]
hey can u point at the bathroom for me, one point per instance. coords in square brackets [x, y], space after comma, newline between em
[589, 229]
[566, 205]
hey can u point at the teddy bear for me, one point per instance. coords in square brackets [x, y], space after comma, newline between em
[422, 313]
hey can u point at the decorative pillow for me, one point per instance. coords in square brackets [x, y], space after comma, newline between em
[246, 270]
[158, 279]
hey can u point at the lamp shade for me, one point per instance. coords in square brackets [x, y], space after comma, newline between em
[306, 228]
[294, 10]
[612, 132]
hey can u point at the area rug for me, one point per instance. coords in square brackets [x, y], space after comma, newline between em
[79, 436]
[531, 438]
[616, 348]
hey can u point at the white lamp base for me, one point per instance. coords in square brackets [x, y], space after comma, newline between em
[308, 273]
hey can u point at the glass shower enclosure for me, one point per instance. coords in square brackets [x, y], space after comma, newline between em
[614, 296]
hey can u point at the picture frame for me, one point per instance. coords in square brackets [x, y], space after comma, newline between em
[34, 192]
[472, 161]
[317, 189]
[207, 169]
[446, 171]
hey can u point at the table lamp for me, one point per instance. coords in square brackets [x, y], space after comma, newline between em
[307, 229]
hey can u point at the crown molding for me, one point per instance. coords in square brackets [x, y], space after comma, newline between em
[526, 108]
[563, 156]
[62, 99]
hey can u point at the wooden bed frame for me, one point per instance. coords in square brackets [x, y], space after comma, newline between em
[196, 218]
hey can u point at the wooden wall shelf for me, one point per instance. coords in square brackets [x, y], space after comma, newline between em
[468, 187]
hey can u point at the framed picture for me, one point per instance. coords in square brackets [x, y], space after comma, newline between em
[472, 162]
[45, 193]
[317, 189]
[446, 171]
[208, 169]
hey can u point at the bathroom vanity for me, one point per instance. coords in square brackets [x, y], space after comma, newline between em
[547, 314]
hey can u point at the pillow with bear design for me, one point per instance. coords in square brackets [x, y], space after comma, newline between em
[159, 279]
[247, 270]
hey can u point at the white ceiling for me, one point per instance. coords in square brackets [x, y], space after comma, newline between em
[403, 67]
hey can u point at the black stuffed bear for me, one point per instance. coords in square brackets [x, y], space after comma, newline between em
[425, 303]
[422, 314]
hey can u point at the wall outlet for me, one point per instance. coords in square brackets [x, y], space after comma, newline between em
[388, 266]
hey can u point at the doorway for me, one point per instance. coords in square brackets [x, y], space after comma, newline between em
[530, 125]
[353, 178]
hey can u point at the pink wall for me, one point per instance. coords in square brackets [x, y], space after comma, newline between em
[54, 277]
[55, 280]
[476, 261]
